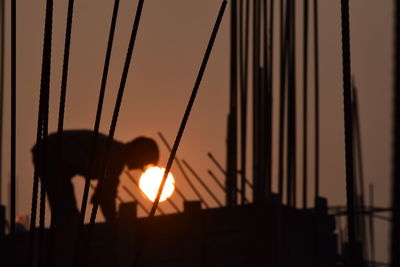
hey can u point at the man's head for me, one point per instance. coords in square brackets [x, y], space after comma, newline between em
[140, 152]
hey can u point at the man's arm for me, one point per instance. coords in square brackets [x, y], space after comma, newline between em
[106, 198]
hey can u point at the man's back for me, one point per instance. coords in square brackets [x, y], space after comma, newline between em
[76, 152]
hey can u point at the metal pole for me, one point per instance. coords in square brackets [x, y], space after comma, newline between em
[13, 111]
[395, 235]
[2, 48]
[316, 100]
[348, 131]
[231, 178]
[305, 102]
[256, 99]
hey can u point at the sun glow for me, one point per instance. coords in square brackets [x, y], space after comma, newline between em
[150, 182]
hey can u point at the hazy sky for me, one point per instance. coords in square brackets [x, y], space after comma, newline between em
[171, 41]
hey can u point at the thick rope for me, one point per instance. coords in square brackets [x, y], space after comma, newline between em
[348, 128]
[182, 126]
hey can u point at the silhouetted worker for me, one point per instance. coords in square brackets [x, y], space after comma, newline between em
[76, 149]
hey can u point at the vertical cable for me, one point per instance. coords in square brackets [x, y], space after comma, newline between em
[348, 129]
[2, 33]
[41, 137]
[63, 94]
[45, 83]
[265, 110]
[98, 116]
[270, 96]
[395, 232]
[282, 100]
[184, 122]
[244, 93]
[243, 99]
[231, 178]
[316, 100]
[13, 111]
[305, 102]
[256, 99]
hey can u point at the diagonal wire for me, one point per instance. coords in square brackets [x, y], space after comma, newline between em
[137, 185]
[98, 114]
[135, 199]
[178, 163]
[183, 123]
[113, 125]
[202, 183]
[96, 128]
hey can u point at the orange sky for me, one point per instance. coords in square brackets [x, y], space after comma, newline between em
[171, 41]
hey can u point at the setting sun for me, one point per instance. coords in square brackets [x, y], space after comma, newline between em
[150, 182]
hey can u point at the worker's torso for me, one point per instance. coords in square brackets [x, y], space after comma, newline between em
[76, 153]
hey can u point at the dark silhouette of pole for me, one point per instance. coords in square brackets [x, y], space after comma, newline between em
[265, 108]
[270, 95]
[256, 101]
[183, 124]
[41, 137]
[244, 56]
[348, 120]
[13, 112]
[305, 102]
[231, 177]
[316, 100]
[282, 99]
[291, 130]
[170, 201]
[2, 49]
[202, 183]
[395, 231]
